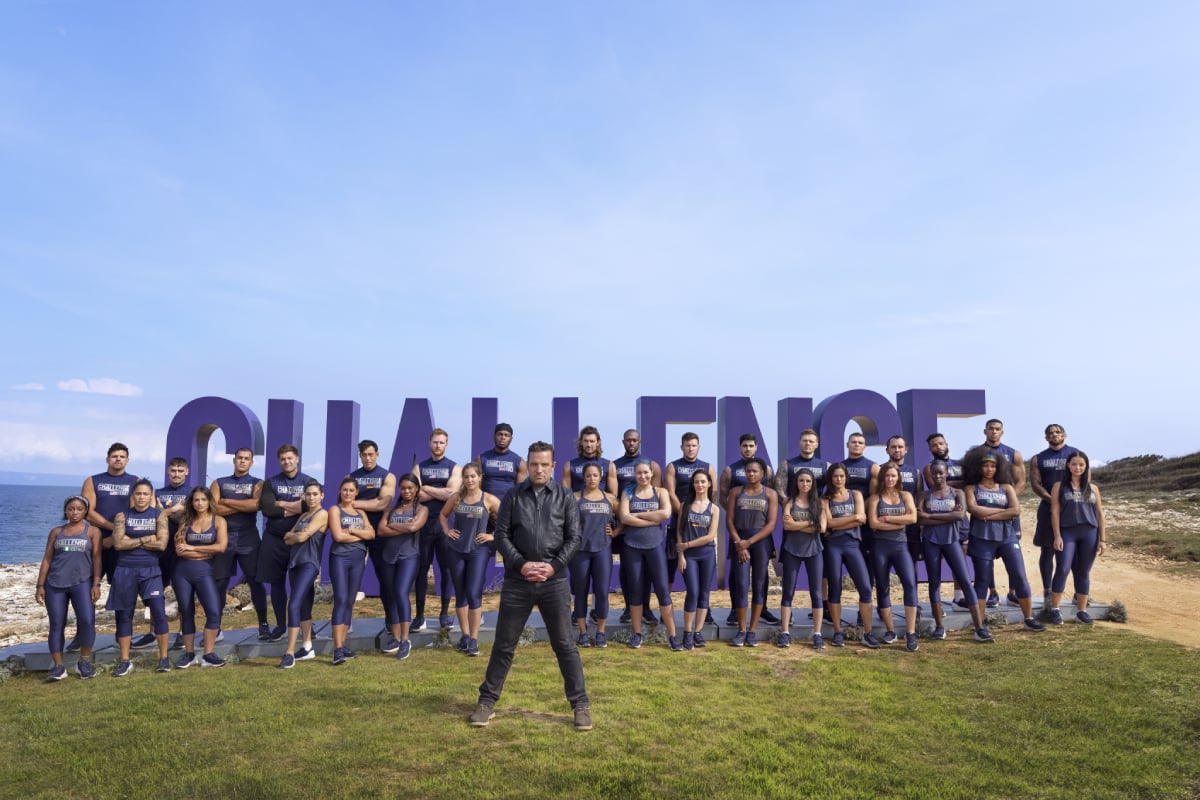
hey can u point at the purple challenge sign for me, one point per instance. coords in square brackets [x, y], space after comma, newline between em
[914, 414]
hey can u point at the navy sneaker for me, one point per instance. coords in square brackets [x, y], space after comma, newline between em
[1084, 617]
[1032, 624]
[73, 645]
[983, 635]
[463, 641]
[635, 641]
[57, 673]
[185, 661]
[264, 632]
[699, 640]
[339, 656]
[1012, 598]
[348, 653]
[1056, 617]
[826, 615]
[838, 639]
[818, 642]
[870, 641]
[910, 642]
[767, 617]
[592, 615]
[287, 662]
[583, 641]
[446, 622]
[993, 599]
[784, 639]
[418, 624]
[939, 632]
[731, 620]
[277, 633]
[164, 665]
[85, 669]
[601, 641]
[305, 654]
[889, 637]
[648, 615]
[473, 647]
[143, 641]
[688, 642]
[392, 646]
[123, 668]
[626, 617]
[751, 639]
[673, 643]
[404, 651]
[738, 640]
[211, 660]
[177, 642]
[961, 602]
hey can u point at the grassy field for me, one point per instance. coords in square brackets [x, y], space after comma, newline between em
[1096, 713]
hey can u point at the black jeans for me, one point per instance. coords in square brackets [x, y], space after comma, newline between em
[517, 599]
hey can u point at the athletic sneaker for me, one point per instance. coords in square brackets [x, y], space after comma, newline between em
[699, 640]
[177, 642]
[1012, 597]
[73, 645]
[673, 643]
[910, 642]
[220, 636]
[939, 632]
[738, 640]
[57, 673]
[993, 599]
[601, 641]
[339, 656]
[185, 661]
[264, 632]
[826, 615]
[688, 642]
[164, 665]
[85, 669]
[767, 617]
[648, 615]
[961, 602]
[635, 641]
[1084, 617]
[211, 660]
[392, 646]
[870, 641]
[1032, 624]
[889, 637]
[348, 653]
[145, 640]
[583, 718]
[277, 633]
[784, 640]
[592, 615]
[463, 641]
[418, 624]
[473, 647]
[405, 649]
[305, 654]
[983, 635]
[482, 715]
[751, 639]
[1056, 617]
[287, 662]
[123, 668]
[626, 617]
[583, 641]
[446, 621]
[731, 620]
[818, 642]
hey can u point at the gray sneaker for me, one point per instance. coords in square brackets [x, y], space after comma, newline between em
[483, 714]
[583, 718]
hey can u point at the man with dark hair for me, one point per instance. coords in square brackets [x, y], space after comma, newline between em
[236, 497]
[1046, 469]
[590, 451]
[537, 533]
[282, 500]
[171, 498]
[993, 432]
[376, 488]
[501, 468]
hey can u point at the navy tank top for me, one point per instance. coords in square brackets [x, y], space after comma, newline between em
[737, 473]
[945, 533]
[499, 472]
[625, 477]
[646, 538]
[139, 525]
[577, 465]
[991, 530]
[286, 490]
[470, 520]
[397, 548]
[370, 483]
[203, 538]
[351, 521]
[698, 523]
[435, 474]
[594, 517]
[684, 470]
[308, 551]
[858, 474]
[844, 508]
[113, 493]
[799, 543]
[1052, 467]
[169, 497]
[817, 466]
[1075, 509]
[883, 509]
[234, 487]
[71, 561]
[750, 513]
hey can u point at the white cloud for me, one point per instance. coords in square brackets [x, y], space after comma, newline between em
[29, 387]
[100, 386]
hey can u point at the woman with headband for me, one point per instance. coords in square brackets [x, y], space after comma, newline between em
[70, 573]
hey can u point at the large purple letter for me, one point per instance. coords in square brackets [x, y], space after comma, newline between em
[341, 443]
[873, 413]
[920, 409]
[285, 425]
[193, 426]
[564, 424]
[412, 435]
[736, 416]
[484, 417]
[654, 414]
[794, 414]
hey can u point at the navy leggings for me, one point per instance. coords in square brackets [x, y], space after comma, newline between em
[400, 577]
[467, 571]
[749, 576]
[983, 556]
[1080, 543]
[814, 566]
[636, 563]
[430, 546]
[701, 564]
[300, 601]
[383, 575]
[80, 597]
[592, 570]
[843, 551]
[345, 573]
[194, 579]
[889, 555]
[934, 553]
[158, 618]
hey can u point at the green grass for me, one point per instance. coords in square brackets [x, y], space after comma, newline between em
[1097, 713]
[1161, 524]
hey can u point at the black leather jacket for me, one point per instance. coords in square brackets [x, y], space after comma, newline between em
[537, 525]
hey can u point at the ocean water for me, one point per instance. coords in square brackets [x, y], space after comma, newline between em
[27, 513]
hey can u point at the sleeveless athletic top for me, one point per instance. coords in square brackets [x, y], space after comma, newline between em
[397, 548]
[499, 471]
[844, 508]
[991, 530]
[750, 513]
[577, 465]
[170, 496]
[234, 487]
[1052, 467]
[351, 521]
[910, 476]
[1076, 510]
[883, 509]
[817, 466]
[1002, 449]
[643, 538]
[469, 519]
[71, 561]
[737, 473]
[113, 493]
[625, 477]
[594, 515]
[289, 490]
[697, 525]
[203, 538]
[858, 474]
[945, 533]
[798, 543]
[308, 551]
[139, 525]
[435, 474]
[684, 470]
[370, 483]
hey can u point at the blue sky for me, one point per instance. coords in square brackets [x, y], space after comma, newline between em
[532, 200]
